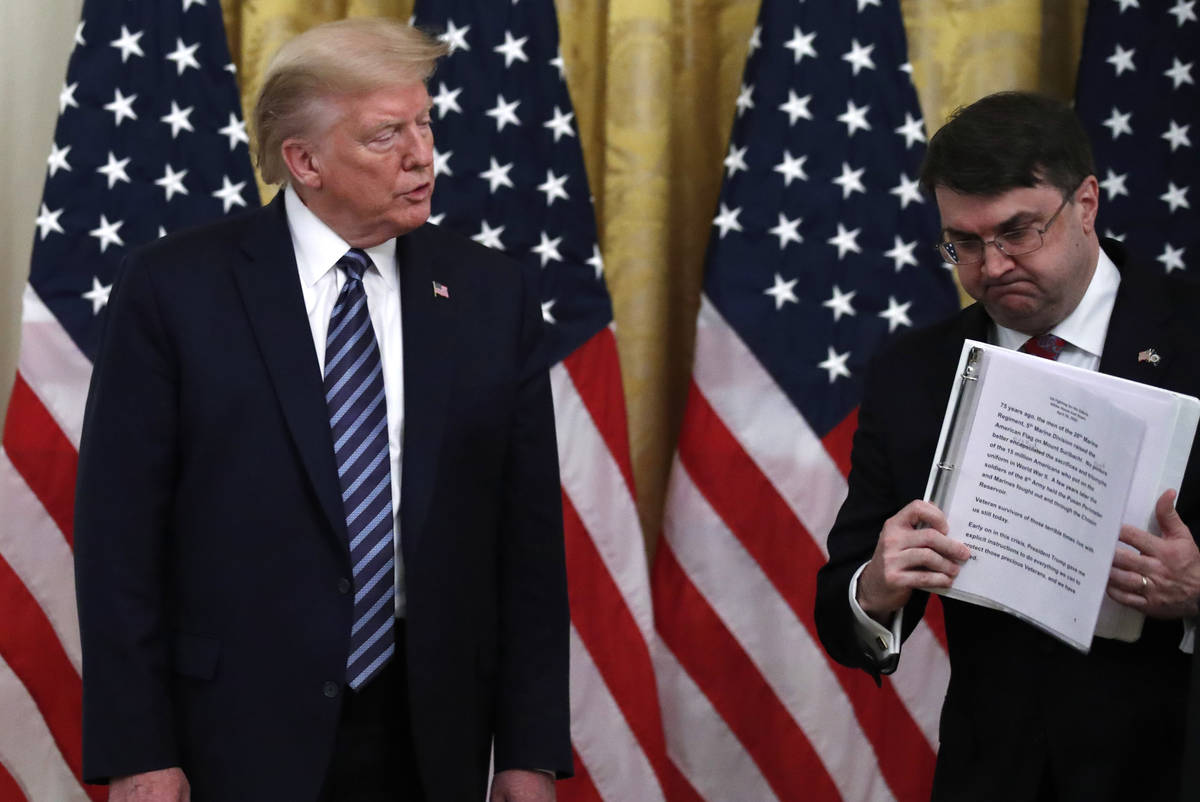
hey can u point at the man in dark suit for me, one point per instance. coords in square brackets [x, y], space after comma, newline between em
[318, 528]
[1025, 717]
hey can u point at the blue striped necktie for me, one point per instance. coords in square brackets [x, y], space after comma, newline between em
[358, 420]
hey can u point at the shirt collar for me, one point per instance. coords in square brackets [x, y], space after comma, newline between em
[318, 247]
[1087, 325]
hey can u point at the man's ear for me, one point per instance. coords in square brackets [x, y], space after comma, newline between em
[302, 162]
[1087, 196]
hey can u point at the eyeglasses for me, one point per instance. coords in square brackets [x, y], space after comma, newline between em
[1017, 242]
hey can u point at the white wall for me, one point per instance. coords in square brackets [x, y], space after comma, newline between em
[35, 40]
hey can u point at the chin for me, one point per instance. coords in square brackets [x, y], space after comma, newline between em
[1018, 319]
[408, 222]
[1030, 325]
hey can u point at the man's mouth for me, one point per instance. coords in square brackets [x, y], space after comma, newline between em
[418, 192]
[1006, 286]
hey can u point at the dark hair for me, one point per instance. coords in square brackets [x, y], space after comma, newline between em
[1009, 140]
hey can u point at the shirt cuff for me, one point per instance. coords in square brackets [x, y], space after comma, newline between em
[1188, 642]
[879, 642]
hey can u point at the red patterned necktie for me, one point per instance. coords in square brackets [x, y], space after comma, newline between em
[1047, 346]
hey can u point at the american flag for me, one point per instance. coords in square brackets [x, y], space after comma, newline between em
[821, 249]
[1137, 96]
[149, 139]
[510, 175]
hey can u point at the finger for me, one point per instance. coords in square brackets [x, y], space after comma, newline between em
[1127, 581]
[920, 513]
[1134, 600]
[897, 537]
[1140, 539]
[944, 546]
[926, 560]
[1169, 522]
[1138, 563]
[953, 549]
[931, 579]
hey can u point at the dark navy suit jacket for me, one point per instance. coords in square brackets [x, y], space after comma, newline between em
[210, 537]
[1108, 725]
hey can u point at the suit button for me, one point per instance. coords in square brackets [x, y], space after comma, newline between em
[344, 586]
[331, 689]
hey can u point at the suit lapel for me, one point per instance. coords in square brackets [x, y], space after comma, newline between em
[429, 323]
[270, 288]
[1139, 322]
[974, 324]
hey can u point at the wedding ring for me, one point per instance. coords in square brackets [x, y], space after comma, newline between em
[1145, 583]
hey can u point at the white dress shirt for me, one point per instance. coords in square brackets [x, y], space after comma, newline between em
[1084, 330]
[318, 249]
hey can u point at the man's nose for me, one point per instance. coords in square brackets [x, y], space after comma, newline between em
[418, 154]
[995, 261]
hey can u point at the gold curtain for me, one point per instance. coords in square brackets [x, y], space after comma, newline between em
[654, 84]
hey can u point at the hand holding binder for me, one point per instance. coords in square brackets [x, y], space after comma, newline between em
[912, 552]
[1162, 578]
[1038, 466]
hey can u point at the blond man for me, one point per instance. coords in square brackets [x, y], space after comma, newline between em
[318, 538]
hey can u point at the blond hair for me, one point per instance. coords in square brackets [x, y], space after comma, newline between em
[347, 57]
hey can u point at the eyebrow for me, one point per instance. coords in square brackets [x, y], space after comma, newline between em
[375, 129]
[394, 120]
[392, 123]
[1018, 220]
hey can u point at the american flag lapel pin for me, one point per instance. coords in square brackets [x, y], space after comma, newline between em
[440, 290]
[1149, 355]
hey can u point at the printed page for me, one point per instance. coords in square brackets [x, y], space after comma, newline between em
[1038, 494]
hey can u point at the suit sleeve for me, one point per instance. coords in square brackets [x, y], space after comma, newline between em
[872, 498]
[533, 718]
[127, 466]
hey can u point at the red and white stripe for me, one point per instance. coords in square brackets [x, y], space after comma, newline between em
[616, 727]
[753, 707]
[40, 689]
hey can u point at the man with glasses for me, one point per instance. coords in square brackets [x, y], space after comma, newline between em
[1025, 717]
